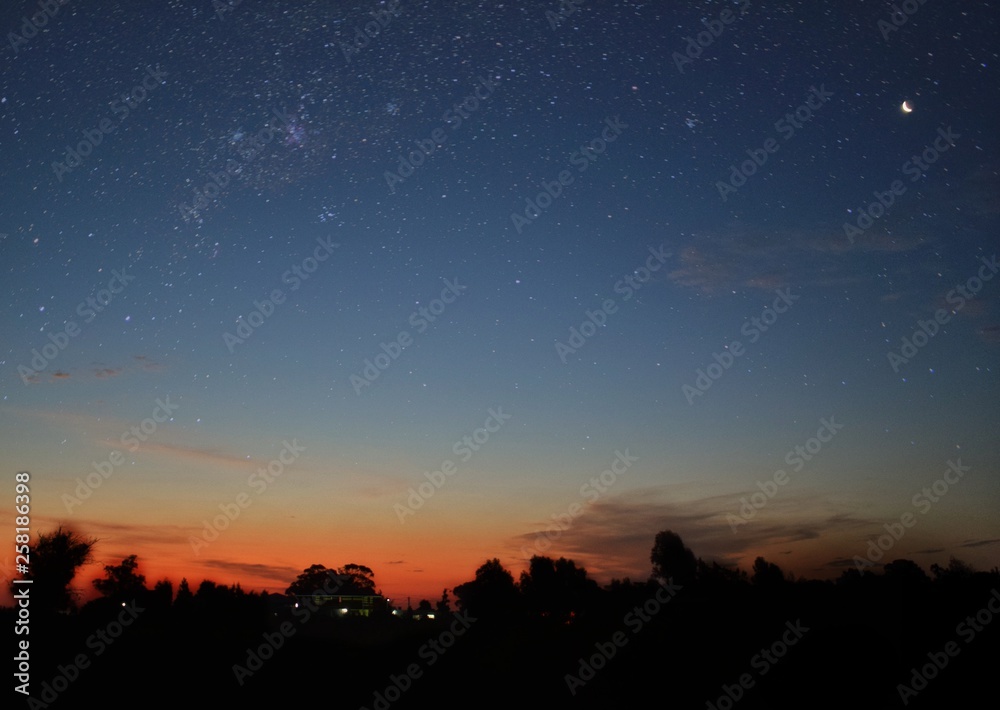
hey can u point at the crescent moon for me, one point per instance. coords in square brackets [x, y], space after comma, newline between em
[906, 107]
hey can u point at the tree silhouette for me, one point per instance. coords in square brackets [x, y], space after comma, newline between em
[905, 573]
[557, 589]
[121, 582]
[311, 580]
[163, 593]
[715, 576]
[357, 579]
[491, 594]
[851, 576]
[957, 570]
[539, 588]
[206, 590]
[671, 559]
[443, 605]
[54, 561]
[349, 579]
[766, 574]
[184, 598]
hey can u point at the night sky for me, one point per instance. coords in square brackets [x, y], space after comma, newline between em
[415, 285]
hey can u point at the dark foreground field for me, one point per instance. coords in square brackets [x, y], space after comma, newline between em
[799, 645]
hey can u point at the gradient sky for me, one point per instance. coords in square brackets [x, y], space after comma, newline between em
[215, 80]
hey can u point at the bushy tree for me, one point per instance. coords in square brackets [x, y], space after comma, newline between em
[956, 571]
[53, 562]
[766, 574]
[122, 582]
[905, 572]
[358, 579]
[349, 579]
[671, 559]
[717, 577]
[163, 593]
[444, 605]
[491, 594]
[184, 596]
[557, 589]
[310, 580]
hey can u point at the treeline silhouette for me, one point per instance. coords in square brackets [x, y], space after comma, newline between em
[694, 634]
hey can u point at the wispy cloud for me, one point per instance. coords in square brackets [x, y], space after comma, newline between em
[197, 454]
[990, 334]
[149, 365]
[623, 528]
[116, 540]
[743, 259]
[262, 571]
[980, 543]
[101, 371]
[702, 271]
